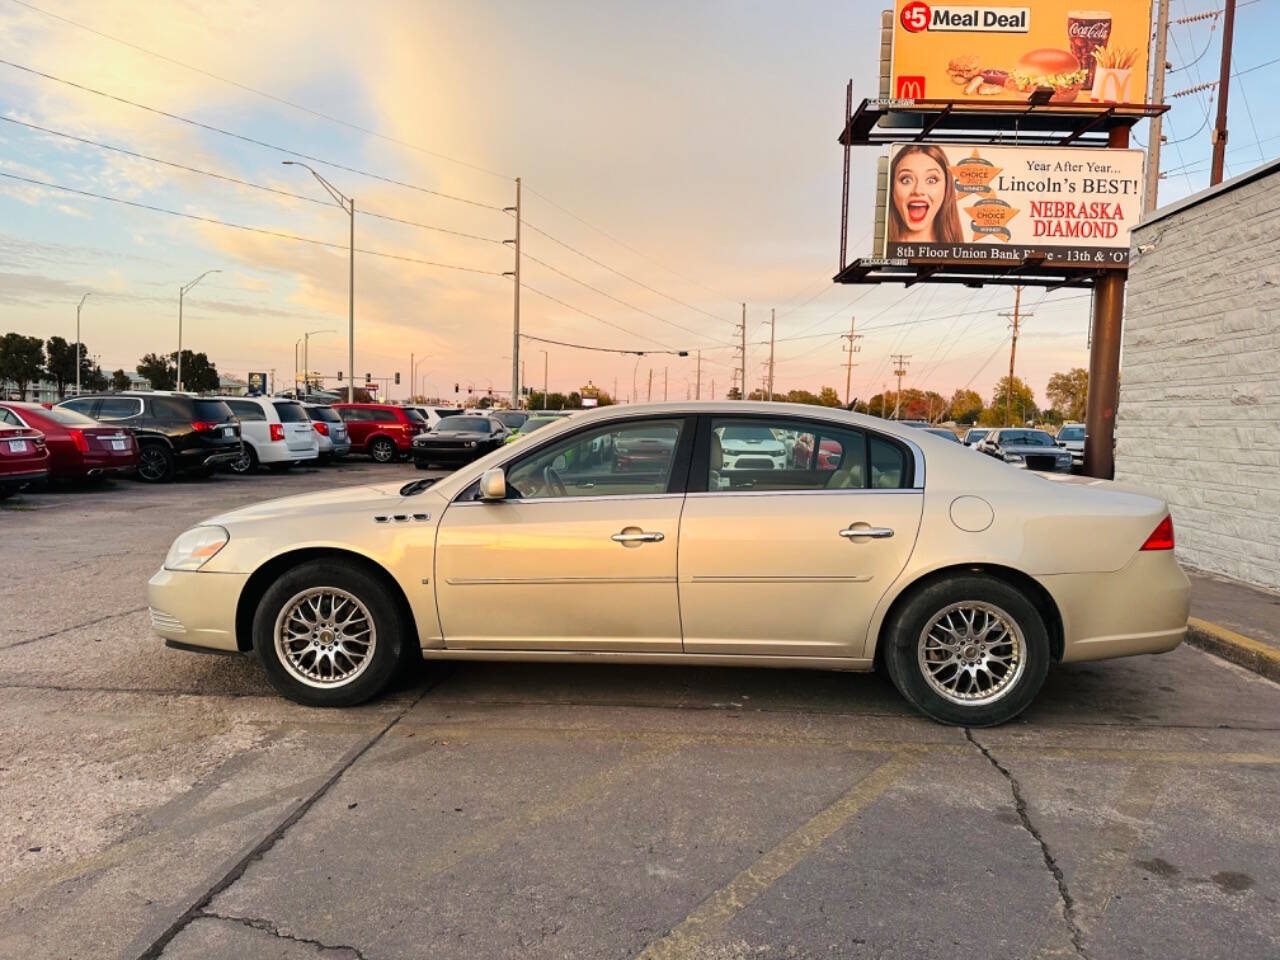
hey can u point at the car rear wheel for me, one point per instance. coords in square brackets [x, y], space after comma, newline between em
[156, 464]
[246, 463]
[970, 650]
[382, 450]
[329, 635]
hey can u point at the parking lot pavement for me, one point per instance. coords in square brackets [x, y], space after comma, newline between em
[158, 803]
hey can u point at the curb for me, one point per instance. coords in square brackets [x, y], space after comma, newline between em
[1261, 658]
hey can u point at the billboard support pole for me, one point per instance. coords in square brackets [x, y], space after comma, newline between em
[1104, 361]
[1157, 96]
[1224, 77]
[844, 196]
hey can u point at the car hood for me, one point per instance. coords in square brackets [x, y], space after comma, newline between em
[348, 497]
[459, 435]
[753, 446]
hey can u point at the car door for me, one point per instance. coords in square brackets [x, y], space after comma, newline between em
[580, 556]
[359, 423]
[792, 561]
[254, 428]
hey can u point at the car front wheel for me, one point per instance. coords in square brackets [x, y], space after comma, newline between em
[382, 450]
[329, 635]
[970, 650]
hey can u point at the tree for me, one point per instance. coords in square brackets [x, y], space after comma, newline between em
[21, 360]
[966, 406]
[198, 374]
[1069, 393]
[1021, 405]
[734, 394]
[828, 397]
[60, 363]
[119, 381]
[158, 370]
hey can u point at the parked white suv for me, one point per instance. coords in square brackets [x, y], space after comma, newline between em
[434, 415]
[275, 432]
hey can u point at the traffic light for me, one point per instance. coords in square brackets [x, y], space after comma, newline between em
[491, 391]
[455, 388]
[397, 378]
[339, 376]
[368, 378]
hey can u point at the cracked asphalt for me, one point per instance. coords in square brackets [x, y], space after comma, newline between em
[163, 804]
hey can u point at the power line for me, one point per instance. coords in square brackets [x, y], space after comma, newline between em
[246, 139]
[236, 180]
[240, 226]
[607, 323]
[260, 93]
[583, 346]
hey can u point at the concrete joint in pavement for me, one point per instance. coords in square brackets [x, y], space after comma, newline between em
[1261, 658]
[1020, 805]
[269, 926]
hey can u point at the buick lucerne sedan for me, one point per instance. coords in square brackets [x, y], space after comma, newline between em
[897, 550]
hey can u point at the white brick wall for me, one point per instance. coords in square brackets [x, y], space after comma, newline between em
[1199, 412]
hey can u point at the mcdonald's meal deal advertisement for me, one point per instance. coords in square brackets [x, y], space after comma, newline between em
[976, 53]
[1074, 205]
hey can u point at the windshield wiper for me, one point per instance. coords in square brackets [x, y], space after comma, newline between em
[417, 486]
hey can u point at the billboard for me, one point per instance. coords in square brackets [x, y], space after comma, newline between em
[986, 204]
[985, 53]
[257, 383]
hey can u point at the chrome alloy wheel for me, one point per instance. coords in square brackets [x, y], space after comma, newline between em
[325, 637]
[972, 653]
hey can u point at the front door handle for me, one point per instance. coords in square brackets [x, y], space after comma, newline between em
[638, 536]
[856, 531]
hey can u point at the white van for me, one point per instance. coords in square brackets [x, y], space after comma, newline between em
[275, 432]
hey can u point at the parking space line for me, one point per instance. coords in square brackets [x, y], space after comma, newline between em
[687, 938]
[74, 626]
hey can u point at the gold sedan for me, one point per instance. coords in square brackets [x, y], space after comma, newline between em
[826, 540]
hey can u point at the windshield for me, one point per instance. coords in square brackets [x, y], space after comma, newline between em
[327, 414]
[942, 432]
[463, 425]
[447, 411]
[213, 411]
[511, 419]
[747, 433]
[976, 434]
[1071, 433]
[1028, 438]
[533, 423]
[69, 417]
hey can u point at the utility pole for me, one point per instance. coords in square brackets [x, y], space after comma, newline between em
[413, 377]
[664, 383]
[1016, 318]
[900, 362]
[515, 277]
[78, 306]
[1224, 77]
[615, 390]
[546, 380]
[697, 393]
[1157, 96]
[773, 322]
[713, 388]
[742, 356]
[852, 348]
[649, 397]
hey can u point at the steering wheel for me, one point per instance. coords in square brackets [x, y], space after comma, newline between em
[554, 483]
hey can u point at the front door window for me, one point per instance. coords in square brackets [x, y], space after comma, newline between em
[629, 459]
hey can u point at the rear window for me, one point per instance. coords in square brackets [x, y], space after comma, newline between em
[327, 414]
[461, 424]
[414, 415]
[511, 419]
[1071, 433]
[213, 411]
[248, 411]
[69, 417]
[447, 411]
[292, 413]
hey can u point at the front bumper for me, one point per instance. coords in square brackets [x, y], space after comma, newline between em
[196, 608]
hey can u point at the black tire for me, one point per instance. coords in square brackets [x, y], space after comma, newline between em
[422, 464]
[983, 595]
[156, 464]
[382, 449]
[391, 634]
[7, 491]
[246, 464]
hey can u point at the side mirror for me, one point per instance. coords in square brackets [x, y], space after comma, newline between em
[493, 484]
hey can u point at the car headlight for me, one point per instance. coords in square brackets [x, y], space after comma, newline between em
[1012, 458]
[193, 549]
[471, 443]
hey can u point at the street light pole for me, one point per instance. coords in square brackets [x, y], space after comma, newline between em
[545, 380]
[306, 359]
[182, 292]
[348, 204]
[78, 306]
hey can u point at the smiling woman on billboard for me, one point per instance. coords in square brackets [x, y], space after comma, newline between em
[922, 206]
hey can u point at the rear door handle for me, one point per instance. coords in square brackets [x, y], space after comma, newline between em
[642, 536]
[858, 530]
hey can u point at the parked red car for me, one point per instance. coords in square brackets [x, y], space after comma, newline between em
[79, 447]
[829, 453]
[23, 457]
[383, 431]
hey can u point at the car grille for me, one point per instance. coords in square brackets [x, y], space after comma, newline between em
[166, 621]
[1041, 462]
[754, 463]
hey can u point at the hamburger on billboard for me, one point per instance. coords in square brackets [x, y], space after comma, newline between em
[966, 204]
[976, 53]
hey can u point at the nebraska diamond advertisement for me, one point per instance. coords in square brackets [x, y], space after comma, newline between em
[1002, 204]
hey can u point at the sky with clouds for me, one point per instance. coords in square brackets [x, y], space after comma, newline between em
[677, 159]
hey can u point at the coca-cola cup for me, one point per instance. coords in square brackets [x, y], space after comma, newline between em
[1087, 31]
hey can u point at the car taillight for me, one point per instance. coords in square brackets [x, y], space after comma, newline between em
[1162, 536]
[322, 428]
[277, 431]
[78, 438]
[203, 426]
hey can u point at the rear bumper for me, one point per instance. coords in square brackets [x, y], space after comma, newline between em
[1141, 608]
[22, 478]
[196, 608]
[196, 457]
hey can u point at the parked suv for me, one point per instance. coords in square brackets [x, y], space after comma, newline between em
[330, 429]
[381, 430]
[176, 432]
[276, 433]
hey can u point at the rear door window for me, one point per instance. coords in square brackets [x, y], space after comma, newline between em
[211, 411]
[247, 410]
[775, 454]
[118, 408]
[80, 405]
[292, 413]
